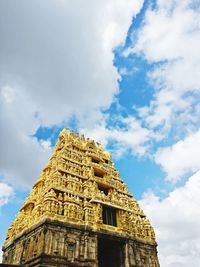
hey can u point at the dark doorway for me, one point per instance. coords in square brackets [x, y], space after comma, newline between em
[110, 253]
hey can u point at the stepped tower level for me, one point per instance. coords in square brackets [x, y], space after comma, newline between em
[80, 213]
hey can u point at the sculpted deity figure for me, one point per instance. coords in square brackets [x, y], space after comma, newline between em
[60, 208]
[60, 197]
[37, 211]
[98, 213]
[72, 210]
[65, 197]
[48, 206]
[53, 207]
[123, 216]
[66, 210]
[80, 214]
[114, 195]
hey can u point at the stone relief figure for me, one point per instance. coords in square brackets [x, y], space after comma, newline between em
[131, 253]
[60, 208]
[98, 214]
[60, 197]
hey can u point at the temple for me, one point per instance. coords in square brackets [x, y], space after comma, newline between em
[80, 213]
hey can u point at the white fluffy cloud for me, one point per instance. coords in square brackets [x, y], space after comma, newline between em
[56, 60]
[60, 52]
[22, 156]
[176, 220]
[130, 137]
[5, 193]
[181, 158]
[170, 36]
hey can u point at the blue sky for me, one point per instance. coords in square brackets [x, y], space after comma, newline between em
[125, 73]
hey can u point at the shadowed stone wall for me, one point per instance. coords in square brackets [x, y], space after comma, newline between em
[61, 244]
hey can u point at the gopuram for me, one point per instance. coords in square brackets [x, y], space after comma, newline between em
[80, 213]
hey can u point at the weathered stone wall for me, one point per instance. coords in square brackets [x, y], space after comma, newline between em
[141, 254]
[59, 244]
[54, 244]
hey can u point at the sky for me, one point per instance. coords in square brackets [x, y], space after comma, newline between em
[125, 73]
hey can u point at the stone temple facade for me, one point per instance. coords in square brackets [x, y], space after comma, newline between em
[80, 213]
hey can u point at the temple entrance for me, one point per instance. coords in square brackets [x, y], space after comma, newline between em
[110, 253]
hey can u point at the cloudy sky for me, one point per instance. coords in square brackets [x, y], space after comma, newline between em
[123, 72]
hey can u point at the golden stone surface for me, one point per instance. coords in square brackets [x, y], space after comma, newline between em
[72, 187]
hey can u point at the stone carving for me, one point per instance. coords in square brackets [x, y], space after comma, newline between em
[78, 181]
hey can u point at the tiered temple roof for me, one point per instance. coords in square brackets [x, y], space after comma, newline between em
[80, 185]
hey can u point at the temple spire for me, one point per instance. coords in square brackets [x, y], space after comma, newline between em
[80, 186]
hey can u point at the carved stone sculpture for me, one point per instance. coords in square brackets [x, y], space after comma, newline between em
[78, 209]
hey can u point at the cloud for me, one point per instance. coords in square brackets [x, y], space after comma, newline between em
[56, 61]
[180, 158]
[5, 193]
[22, 156]
[61, 53]
[170, 39]
[176, 220]
[129, 136]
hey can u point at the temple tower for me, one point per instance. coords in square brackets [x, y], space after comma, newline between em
[80, 213]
